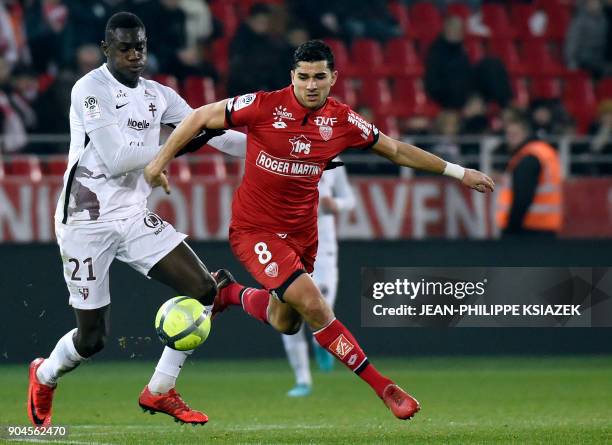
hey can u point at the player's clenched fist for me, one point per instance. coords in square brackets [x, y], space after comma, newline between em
[478, 181]
[156, 178]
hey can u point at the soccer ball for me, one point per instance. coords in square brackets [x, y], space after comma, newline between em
[182, 323]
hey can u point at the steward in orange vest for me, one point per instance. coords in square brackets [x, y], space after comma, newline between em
[530, 200]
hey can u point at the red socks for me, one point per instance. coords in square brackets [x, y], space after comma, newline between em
[254, 301]
[337, 339]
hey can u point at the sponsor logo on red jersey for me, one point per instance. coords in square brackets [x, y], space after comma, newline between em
[300, 145]
[286, 167]
[341, 346]
[359, 122]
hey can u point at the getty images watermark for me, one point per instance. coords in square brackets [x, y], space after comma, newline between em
[486, 297]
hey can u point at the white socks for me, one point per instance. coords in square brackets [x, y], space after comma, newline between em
[167, 370]
[64, 358]
[296, 347]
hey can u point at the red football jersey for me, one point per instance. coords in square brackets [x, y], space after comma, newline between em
[288, 146]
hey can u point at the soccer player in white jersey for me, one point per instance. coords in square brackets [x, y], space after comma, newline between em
[115, 119]
[335, 196]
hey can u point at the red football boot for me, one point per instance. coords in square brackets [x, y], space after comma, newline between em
[224, 278]
[40, 398]
[170, 403]
[402, 405]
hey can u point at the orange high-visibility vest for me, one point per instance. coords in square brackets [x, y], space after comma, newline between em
[545, 212]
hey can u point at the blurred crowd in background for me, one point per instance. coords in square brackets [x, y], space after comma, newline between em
[445, 68]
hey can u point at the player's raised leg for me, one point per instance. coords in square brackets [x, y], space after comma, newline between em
[332, 335]
[182, 270]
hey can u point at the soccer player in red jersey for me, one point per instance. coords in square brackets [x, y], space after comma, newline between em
[293, 134]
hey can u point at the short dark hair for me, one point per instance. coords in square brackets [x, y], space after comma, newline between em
[313, 51]
[122, 20]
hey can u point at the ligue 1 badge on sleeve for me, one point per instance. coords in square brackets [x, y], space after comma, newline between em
[326, 132]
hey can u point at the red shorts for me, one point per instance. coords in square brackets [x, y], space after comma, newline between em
[273, 258]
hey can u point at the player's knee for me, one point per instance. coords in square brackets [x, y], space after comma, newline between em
[290, 327]
[88, 344]
[204, 289]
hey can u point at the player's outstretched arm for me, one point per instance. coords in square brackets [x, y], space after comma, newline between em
[408, 155]
[210, 116]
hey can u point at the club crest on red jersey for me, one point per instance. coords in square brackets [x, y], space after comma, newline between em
[326, 132]
[300, 145]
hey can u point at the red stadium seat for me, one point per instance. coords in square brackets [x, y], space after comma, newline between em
[178, 170]
[199, 91]
[426, 21]
[520, 93]
[25, 166]
[494, 15]
[226, 13]
[459, 10]
[559, 17]
[211, 165]
[402, 58]
[388, 125]
[344, 91]
[168, 80]
[474, 48]
[539, 60]
[400, 13]
[234, 166]
[604, 89]
[375, 93]
[520, 14]
[220, 54]
[341, 57]
[55, 165]
[506, 50]
[409, 98]
[579, 99]
[368, 55]
[545, 88]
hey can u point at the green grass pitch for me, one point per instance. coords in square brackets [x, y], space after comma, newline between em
[464, 400]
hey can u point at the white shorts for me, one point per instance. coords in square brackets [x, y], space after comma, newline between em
[88, 250]
[325, 275]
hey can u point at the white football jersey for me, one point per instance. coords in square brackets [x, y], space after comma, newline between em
[90, 193]
[334, 183]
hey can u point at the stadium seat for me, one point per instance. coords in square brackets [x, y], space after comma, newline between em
[494, 15]
[220, 54]
[168, 80]
[211, 165]
[409, 98]
[367, 54]
[400, 14]
[579, 99]
[559, 16]
[178, 170]
[520, 93]
[604, 89]
[520, 15]
[199, 91]
[226, 13]
[459, 10]
[341, 57]
[388, 125]
[344, 91]
[55, 165]
[506, 50]
[426, 21]
[234, 166]
[25, 166]
[474, 48]
[539, 60]
[545, 88]
[376, 94]
[402, 58]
